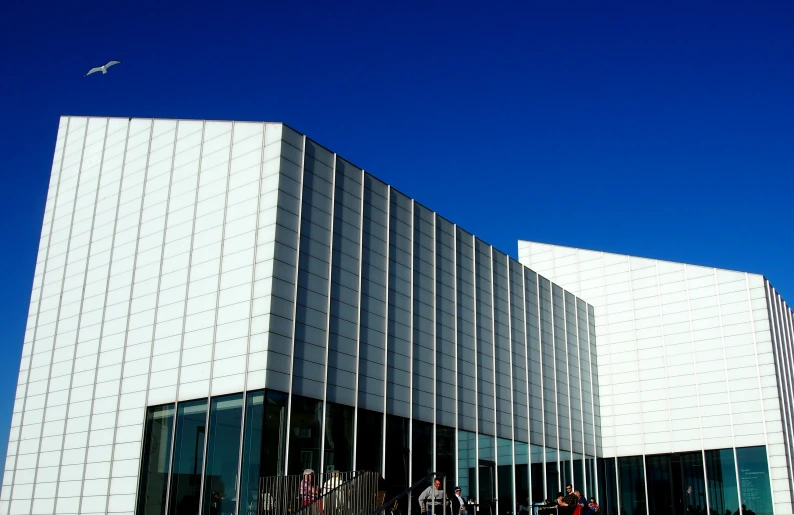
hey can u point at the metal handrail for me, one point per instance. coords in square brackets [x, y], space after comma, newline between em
[356, 496]
[335, 493]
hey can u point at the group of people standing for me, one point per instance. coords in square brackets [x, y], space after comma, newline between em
[431, 501]
[567, 504]
[309, 493]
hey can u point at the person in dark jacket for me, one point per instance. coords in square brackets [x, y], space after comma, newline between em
[569, 501]
[458, 502]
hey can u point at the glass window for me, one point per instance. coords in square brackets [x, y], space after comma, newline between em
[537, 476]
[721, 474]
[565, 470]
[553, 487]
[305, 427]
[191, 424]
[421, 450]
[632, 485]
[467, 463]
[369, 451]
[155, 460]
[590, 487]
[338, 438]
[607, 486]
[578, 474]
[397, 455]
[264, 442]
[660, 492]
[487, 469]
[754, 481]
[504, 460]
[445, 454]
[223, 448]
[522, 474]
[688, 483]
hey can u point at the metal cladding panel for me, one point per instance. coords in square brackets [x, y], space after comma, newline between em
[152, 284]
[689, 357]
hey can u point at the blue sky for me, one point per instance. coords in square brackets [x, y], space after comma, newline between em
[663, 131]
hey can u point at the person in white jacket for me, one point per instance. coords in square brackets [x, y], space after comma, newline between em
[432, 499]
[335, 502]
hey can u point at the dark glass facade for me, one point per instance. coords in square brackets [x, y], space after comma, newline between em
[204, 465]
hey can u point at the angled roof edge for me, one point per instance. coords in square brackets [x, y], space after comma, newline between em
[520, 241]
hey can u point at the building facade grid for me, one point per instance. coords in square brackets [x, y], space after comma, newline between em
[238, 286]
[188, 260]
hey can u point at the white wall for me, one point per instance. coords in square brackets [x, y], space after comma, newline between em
[151, 285]
[684, 354]
[782, 327]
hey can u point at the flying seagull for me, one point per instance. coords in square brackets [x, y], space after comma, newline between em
[103, 69]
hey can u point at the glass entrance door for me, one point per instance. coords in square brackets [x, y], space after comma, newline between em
[487, 494]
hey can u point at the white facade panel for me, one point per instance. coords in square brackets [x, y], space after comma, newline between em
[150, 227]
[698, 340]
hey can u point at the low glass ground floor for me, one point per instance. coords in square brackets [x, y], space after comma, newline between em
[206, 456]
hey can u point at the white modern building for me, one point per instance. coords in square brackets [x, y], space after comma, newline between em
[690, 358]
[216, 302]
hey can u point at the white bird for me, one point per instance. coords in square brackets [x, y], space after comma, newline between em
[103, 69]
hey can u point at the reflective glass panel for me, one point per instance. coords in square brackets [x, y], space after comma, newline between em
[487, 470]
[688, 483]
[305, 426]
[578, 474]
[590, 489]
[264, 442]
[607, 486]
[156, 459]
[421, 450]
[397, 455]
[565, 470]
[754, 481]
[467, 463]
[223, 448]
[191, 423]
[504, 460]
[632, 485]
[522, 474]
[486, 447]
[537, 474]
[721, 474]
[445, 454]
[369, 455]
[338, 438]
[553, 487]
[660, 491]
